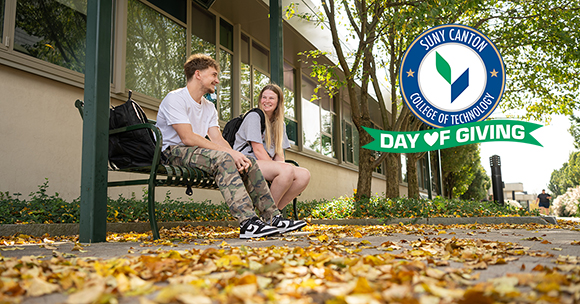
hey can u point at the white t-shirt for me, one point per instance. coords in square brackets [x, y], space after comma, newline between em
[178, 107]
[250, 131]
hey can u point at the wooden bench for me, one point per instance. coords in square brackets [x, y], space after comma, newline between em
[162, 175]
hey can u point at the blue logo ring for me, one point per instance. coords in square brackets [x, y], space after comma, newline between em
[450, 75]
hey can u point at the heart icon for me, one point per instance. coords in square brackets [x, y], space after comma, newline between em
[430, 139]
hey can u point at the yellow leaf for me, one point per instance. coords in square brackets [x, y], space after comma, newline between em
[87, 295]
[11, 248]
[548, 286]
[361, 299]
[244, 291]
[396, 291]
[193, 299]
[358, 235]
[309, 283]
[39, 287]
[78, 247]
[248, 279]
[169, 294]
[323, 238]
[363, 286]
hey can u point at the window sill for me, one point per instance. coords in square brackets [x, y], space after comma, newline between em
[41, 68]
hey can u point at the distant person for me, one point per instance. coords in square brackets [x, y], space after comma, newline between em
[544, 199]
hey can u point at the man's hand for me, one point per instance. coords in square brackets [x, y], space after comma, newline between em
[241, 161]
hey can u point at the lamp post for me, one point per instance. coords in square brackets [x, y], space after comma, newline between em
[497, 183]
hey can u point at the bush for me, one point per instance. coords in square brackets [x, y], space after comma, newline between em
[567, 204]
[44, 208]
[403, 207]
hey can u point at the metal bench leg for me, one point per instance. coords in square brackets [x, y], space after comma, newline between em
[294, 205]
[151, 205]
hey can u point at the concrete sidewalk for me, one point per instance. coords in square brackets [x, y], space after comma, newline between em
[548, 241]
[73, 229]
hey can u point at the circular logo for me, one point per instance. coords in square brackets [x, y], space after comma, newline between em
[450, 75]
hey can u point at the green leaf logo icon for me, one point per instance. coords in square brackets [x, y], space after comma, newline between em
[443, 67]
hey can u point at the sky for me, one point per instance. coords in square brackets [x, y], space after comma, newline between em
[529, 164]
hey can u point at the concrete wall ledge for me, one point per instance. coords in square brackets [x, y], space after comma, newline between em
[73, 229]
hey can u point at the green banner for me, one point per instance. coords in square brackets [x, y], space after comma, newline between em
[436, 139]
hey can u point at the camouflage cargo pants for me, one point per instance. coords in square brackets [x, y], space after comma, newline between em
[244, 193]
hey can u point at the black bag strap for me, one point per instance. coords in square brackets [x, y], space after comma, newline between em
[262, 125]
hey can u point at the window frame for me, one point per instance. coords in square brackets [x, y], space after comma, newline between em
[295, 93]
[30, 64]
[334, 120]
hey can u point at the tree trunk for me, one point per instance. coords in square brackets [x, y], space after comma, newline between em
[365, 167]
[392, 173]
[448, 185]
[412, 181]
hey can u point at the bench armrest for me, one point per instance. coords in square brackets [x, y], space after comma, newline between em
[292, 162]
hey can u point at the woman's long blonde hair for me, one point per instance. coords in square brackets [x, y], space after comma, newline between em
[275, 125]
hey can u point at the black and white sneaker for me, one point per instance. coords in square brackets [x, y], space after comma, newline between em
[255, 228]
[287, 225]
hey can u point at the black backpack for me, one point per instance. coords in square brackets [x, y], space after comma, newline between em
[134, 148]
[232, 127]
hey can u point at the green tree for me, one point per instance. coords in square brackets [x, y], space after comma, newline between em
[566, 177]
[459, 166]
[478, 188]
[537, 39]
[575, 130]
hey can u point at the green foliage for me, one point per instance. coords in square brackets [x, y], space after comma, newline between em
[566, 177]
[460, 166]
[575, 130]
[403, 207]
[477, 190]
[43, 208]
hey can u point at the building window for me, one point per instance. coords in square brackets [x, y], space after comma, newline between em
[156, 51]
[403, 168]
[2, 4]
[254, 72]
[318, 111]
[225, 86]
[246, 75]
[53, 31]
[260, 57]
[290, 103]
[422, 178]
[175, 8]
[260, 81]
[260, 64]
[380, 168]
[203, 32]
[226, 64]
[349, 137]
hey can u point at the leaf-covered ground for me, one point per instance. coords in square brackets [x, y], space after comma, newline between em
[323, 264]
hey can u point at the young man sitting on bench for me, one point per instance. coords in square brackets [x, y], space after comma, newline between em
[185, 117]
